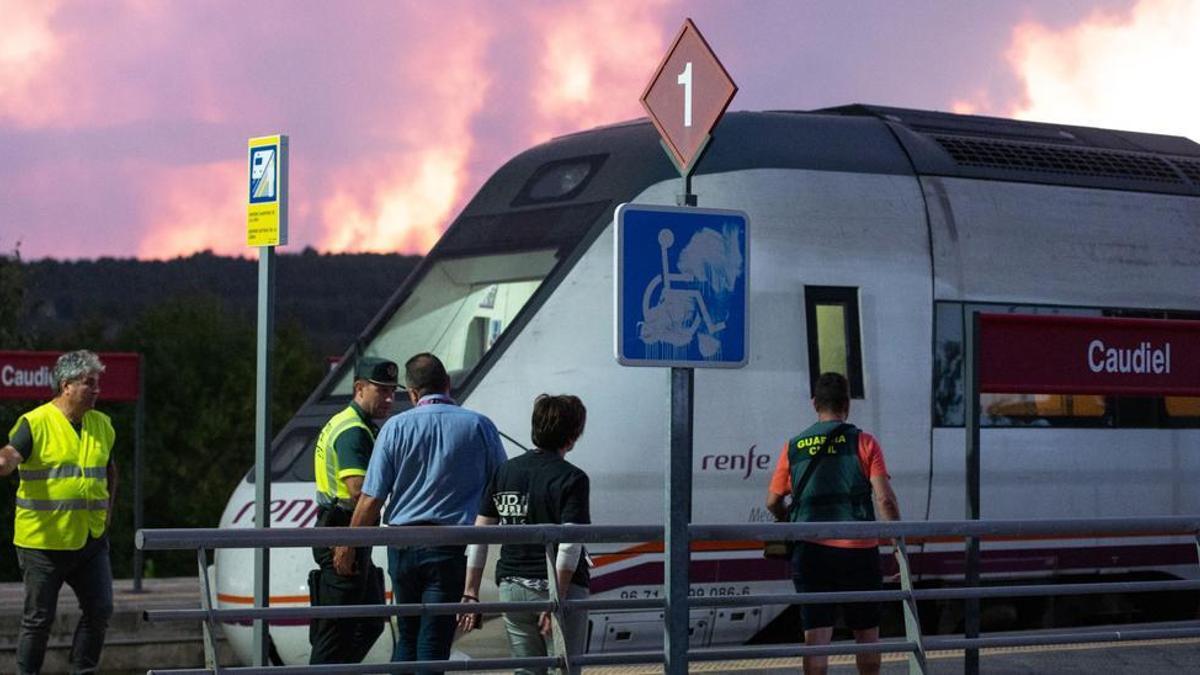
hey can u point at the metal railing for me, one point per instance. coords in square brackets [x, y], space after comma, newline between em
[914, 644]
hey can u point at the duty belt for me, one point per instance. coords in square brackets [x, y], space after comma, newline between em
[328, 502]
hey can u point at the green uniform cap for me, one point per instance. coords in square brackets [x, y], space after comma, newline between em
[379, 371]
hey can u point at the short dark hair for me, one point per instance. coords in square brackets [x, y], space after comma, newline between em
[425, 374]
[557, 420]
[831, 393]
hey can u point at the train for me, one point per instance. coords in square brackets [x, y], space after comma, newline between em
[877, 231]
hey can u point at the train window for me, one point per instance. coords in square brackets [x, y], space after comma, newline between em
[559, 180]
[458, 310]
[1183, 406]
[292, 457]
[1040, 410]
[834, 340]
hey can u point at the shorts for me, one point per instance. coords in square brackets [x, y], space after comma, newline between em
[818, 569]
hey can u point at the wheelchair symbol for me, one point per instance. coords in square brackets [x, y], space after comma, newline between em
[674, 309]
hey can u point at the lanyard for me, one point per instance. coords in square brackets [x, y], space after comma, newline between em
[435, 399]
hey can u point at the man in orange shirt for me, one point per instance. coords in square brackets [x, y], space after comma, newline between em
[840, 478]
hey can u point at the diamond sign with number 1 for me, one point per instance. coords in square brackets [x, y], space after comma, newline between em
[687, 96]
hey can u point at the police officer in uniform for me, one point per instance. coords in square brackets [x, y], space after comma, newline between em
[834, 471]
[340, 462]
[63, 507]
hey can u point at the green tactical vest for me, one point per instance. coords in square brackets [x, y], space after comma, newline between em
[331, 491]
[63, 494]
[837, 489]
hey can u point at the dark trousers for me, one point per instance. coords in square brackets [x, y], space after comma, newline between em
[344, 640]
[425, 575]
[817, 568]
[88, 572]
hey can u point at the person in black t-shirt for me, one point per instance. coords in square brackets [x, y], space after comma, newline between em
[536, 488]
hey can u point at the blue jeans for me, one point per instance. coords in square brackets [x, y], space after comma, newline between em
[88, 572]
[425, 574]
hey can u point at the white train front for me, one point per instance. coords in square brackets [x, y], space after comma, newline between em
[874, 231]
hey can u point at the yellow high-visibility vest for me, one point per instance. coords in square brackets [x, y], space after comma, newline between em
[63, 494]
[331, 490]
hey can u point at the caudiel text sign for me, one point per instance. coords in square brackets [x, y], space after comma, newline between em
[1089, 355]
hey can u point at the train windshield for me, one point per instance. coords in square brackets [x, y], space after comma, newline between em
[458, 310]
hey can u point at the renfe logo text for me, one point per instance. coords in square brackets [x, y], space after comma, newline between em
[1143, 359]
[747, 462]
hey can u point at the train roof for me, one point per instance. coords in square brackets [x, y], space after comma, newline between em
[972, 146]
[863, 138]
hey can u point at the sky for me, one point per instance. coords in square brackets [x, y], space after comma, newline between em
[123, 123]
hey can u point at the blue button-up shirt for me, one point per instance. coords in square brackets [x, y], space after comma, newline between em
[432, 463]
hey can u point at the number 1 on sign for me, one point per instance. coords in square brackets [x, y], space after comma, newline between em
[685, 78]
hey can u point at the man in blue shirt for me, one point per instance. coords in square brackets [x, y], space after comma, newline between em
[433, 461]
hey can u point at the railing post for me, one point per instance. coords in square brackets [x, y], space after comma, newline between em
[971, 365]
[912, 620]
[557, 615]
[208, 626]
[139, 461]
[262, 445]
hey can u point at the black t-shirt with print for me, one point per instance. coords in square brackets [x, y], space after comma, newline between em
[536, 488]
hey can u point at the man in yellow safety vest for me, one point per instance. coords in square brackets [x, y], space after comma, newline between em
[63, 508]
[340, 461]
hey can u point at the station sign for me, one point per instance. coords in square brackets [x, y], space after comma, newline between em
[682, 286]
[27, 375]
[1088, 355]
[687, 96]
[267, 172]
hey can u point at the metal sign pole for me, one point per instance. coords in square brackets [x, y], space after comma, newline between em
[679, 515]
[262, 435]
[687, 198]
[685, 99]
[971, 391]
[679, 501]
[266, 228]
[139, 425]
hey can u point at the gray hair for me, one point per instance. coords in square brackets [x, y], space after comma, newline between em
[73, 366]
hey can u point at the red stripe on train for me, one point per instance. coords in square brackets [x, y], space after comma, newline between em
[933, 564]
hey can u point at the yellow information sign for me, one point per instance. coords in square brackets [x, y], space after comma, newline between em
[266, 212]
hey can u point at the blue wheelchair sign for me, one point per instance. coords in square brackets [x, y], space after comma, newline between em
[682, 286]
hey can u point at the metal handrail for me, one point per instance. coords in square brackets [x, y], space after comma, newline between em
[916, 644]
[190, 539]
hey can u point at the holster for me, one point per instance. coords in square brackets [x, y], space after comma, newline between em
[314, 599]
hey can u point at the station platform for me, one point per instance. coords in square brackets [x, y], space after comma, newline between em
[135, 645]
[1148, 657]
[132, 644]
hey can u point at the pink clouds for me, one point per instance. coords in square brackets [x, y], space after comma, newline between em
[595, 57]
[123, 124]
[190, 210]
[1122, 70]
[386, 105]
[1116, 69]
[28, 49]
[403, 201]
